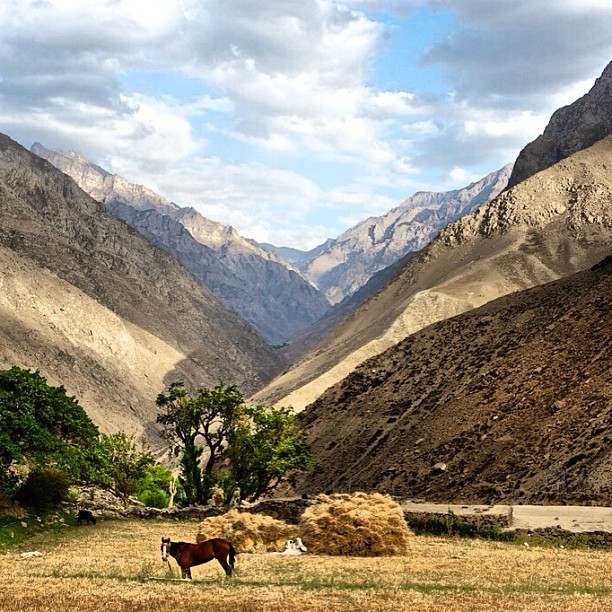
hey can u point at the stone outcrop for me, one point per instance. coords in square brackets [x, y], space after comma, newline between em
[571, 129]
[248, 280]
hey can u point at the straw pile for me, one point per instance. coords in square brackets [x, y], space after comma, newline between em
[358, 525]
[248, 533]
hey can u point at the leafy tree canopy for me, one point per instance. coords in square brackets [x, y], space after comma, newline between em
[220, 439]
[264, 448]
[126, 466]
[41, 424]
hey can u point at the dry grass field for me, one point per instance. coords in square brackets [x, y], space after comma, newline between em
[107, 566]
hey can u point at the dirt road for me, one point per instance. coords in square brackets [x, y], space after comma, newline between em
[572, 518]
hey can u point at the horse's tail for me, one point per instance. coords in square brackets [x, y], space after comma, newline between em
[232, 555]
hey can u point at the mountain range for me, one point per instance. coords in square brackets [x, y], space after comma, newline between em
[281, 291]
[552, 224]
[96, 307]
[250, 281]
[115, 319]
[347, 263]
[466, 355]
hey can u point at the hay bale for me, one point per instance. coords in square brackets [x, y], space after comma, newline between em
[248, 533]
[361, 525]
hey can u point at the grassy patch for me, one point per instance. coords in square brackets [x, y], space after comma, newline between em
[117, 563]
[452, 525]
[14, 532]
[560, 538]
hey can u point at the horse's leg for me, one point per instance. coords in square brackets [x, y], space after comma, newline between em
[185, 572]
[222, 559]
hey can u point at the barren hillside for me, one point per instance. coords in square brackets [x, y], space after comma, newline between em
[94, 306]
[511, 402]
[555, 223]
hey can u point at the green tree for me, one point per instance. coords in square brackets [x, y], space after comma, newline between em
[267, 447]
[127, 466]
[41, 425]
[153, 487]
[181, 428]
[197, 424]
[221, 440]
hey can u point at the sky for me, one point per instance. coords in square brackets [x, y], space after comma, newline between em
[293, 120]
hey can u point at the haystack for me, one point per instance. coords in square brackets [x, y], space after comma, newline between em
[248, 533]
[361, 525]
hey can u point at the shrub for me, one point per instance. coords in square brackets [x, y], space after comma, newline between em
[450, 525]
[44, 488]
[154, 498]
[360, 525]
[248, 533]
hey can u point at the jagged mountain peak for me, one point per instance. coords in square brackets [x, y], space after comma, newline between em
[266, 291]
[348, 262]
[570, 129]
[102, 185]
[70, 156]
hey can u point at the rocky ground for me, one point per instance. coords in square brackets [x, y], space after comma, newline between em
[510, 403]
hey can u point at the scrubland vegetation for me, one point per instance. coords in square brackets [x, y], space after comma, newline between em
[109, 566]
[48, 443]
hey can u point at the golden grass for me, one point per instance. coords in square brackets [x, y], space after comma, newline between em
[104, 566]
[249, 533]
[361, 524]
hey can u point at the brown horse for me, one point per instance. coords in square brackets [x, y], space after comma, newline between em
[188, 555]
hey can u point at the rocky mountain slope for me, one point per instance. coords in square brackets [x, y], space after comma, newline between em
[355, 256]
[511, 402]
[94, 306]
[571, 129]
[251, 281]
[555, 223]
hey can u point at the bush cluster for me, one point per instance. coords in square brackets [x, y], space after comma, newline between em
[44, 488]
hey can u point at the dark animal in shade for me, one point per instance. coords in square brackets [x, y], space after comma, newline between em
[85, 516]
[189, 555]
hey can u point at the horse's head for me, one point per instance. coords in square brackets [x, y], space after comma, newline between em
[165, 546]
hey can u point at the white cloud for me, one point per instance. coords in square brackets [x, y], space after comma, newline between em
[507, 125]
[516, 52]
[290, 79]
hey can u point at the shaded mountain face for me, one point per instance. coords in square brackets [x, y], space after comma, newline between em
[250, 281]
[511, 402]
[571, 129]
[551, 225]
[351, 260]
[96, 307]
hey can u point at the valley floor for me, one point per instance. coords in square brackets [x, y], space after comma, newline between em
[110, 566]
